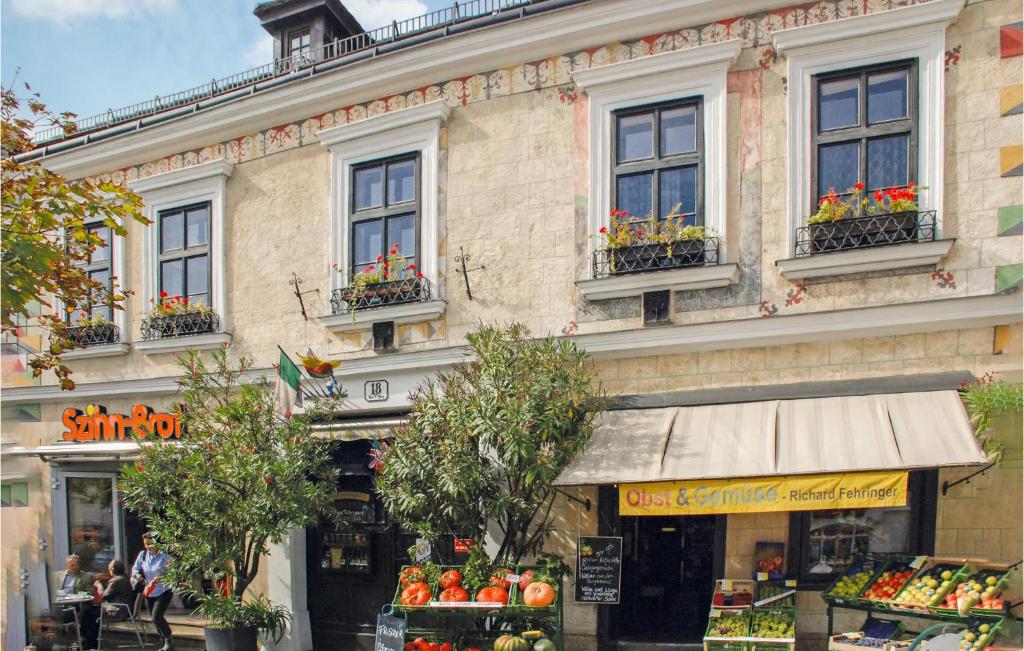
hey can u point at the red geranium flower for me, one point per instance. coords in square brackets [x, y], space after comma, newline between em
[879, 197]
[412, 267]
[393, 251]
[379, 258]
[604, 229]
[184, 301]
[419, 274]
[858, 187]
[163, 294]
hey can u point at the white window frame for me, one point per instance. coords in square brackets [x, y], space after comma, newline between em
[916, 32]
[200, 183]
[698, 71]
[409, 130]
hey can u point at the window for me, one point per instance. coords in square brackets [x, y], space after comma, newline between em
[299, 45]
[14, 494]
[385, 209]
[823, 543]
[184, 249]
[865, 129]
[658, 160]
[98, 268]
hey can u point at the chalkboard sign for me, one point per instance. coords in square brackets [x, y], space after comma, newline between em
[390, 635]
[598, 569]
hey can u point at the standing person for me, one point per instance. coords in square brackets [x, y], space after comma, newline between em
[150, 567]
[73, 579]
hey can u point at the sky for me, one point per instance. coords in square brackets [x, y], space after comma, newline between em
[87, 56]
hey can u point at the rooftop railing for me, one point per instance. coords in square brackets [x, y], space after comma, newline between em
[398, 34]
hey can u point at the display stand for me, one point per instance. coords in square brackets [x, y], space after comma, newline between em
[480, 624]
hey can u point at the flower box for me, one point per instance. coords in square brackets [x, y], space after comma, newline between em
[93, 334]
[391, 292]
[861, 232]
[182, 324]
[652, 257]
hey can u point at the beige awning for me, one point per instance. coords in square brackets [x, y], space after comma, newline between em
[356, 430]
[778, 437]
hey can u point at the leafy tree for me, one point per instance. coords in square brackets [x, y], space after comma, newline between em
[43, 236]
[240, 477]
[487, 439]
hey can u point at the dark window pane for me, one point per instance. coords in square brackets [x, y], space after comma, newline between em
[171, 231]
[402, 182]
[90, 512]
[836, 537]
[368, 188]
[887, 96]
[888, 161]
[402, 231]
[679, 130]
[838, 103]
[197, 226]
[838, 167]
[101, 276]
[172, 277]
[367, 244]
[678, 185]
[634, 194]
[636, 137]
[102, 252]
[196, 270]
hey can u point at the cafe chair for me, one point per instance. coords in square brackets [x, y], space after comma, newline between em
[64, 623]
[112, 612]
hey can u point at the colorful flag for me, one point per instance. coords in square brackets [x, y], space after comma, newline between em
[287, 390]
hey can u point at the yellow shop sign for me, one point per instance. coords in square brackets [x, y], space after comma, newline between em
[759, 494]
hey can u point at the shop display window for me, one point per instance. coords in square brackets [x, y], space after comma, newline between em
[826, 542]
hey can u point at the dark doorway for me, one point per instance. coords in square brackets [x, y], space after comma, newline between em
[669, 568]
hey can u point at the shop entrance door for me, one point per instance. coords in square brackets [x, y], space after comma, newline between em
[87, 519]
[668, 573]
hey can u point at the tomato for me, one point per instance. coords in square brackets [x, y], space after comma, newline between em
[539, 594]
[411, 574]
[456, 593]
[450, 578]
[447, 646]
[498, 579]
[526, 578]
[434, 646]
[419, 644]
[493, 594]
[416, 594]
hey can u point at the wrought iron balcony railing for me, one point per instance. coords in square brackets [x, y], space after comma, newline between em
[640, 258]
[184, 324]
[866, 232]
[93, 334]
[460, 17]
[392, 292]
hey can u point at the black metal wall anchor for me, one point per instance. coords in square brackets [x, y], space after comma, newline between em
[462, 259]
[946, 485]
[295, 282]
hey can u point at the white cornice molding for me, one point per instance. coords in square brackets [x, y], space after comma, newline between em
[219, 167]
[877, 258]
[102, 350]
[436, 111]
[679, 280]
[491, 48]
[180, 344]
[795, 329]
[716, 53]
[402, 313]
[934, 13]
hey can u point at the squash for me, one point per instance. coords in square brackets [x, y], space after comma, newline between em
[538, 595]
[544, 645]
[511, 643]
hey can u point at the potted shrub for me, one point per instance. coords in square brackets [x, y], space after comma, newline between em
[633, 245]
[174, 316]
[241, 479]
[90, 330]
[889, 216]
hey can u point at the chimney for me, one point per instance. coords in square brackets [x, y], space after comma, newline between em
[302, 28]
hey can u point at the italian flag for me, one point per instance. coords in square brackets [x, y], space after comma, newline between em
[287, 390]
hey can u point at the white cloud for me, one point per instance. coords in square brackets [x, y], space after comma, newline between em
[375, 13]
[63, 12]
[259, 52]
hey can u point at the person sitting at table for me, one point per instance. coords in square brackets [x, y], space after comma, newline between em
[118, 589]
[73, 579]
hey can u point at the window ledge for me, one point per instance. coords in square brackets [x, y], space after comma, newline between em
[680, 280]
[401, 313]
[179, 344]
[101, 350]
[882, 258]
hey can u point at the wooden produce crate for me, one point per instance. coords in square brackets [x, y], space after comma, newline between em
[773, 618]
[978, 572]
[851, 583]
[733, 593]
[515, 599]
[930, 584]
[894, 574]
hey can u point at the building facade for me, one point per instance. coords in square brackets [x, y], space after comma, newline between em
[490, 153]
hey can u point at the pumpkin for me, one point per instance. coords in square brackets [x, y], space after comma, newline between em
[417, 594]
[544, 645]
[455, 593]
[511, 643]
[496, 595]
[538, 594]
